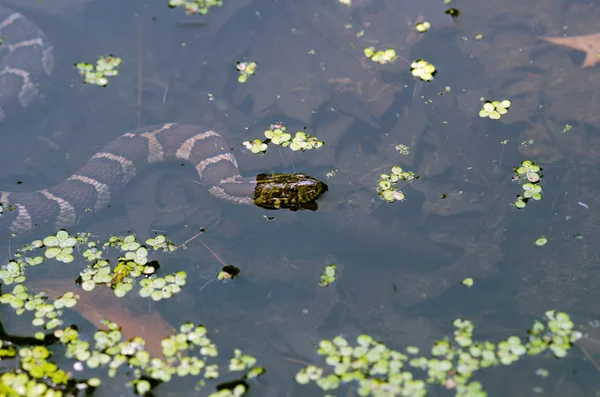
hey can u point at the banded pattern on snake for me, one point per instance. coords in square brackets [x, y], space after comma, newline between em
[109, 170]
[26, 60]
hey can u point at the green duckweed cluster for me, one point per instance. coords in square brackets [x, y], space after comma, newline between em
[423, 70]
[382, 57]
[278, 135]
[37, 376]
[245, 69]
[494, 109]
[184, 354]
[195, 6]
[376, 369]
[187, 353]
[387, 184]
[403, 149]
[380, 371]
[423, 27]
[98, 74]
[529, 175]
[132, 265]
[328, 275]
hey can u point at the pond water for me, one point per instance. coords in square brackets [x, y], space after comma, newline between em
[400, 265]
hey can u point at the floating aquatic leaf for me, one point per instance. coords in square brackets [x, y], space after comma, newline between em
[423, 69]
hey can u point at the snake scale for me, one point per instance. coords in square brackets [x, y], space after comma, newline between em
[26, 60]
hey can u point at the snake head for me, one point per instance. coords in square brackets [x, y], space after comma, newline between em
[291, 191]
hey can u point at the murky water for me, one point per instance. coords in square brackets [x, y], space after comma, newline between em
[400, 265]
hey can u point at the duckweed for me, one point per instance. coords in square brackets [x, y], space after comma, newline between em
[387, 184]
[529, 174]
[376, 369]
[328, 275]
[98, 74]
[467, 282]
[381, 56]
[195, 6]
[162, 288]
[423, 70]
[380, 371]
[245, 69]
[494, 109]
[423, 27]
[403, 149]
[110, 352]
[278, 135]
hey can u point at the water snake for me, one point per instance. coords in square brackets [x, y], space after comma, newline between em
[26, 58]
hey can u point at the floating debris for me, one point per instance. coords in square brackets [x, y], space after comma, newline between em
[228, 272]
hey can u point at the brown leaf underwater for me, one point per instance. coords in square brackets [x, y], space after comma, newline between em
[590, 44]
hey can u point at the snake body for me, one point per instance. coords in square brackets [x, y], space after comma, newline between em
[26, 59]
[108, 171]
[26, 62]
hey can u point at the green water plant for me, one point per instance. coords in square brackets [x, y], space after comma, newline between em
[377, 370]
[98, 74]
[423, 70]
[186, 353]
[245, 69]
[195, 6]
[529, 175]
[328, 276]
[387, 184]
[403, 149]
[278, 134]
[60, 246]
[494, 109]
[382, 57]
[423, 27]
